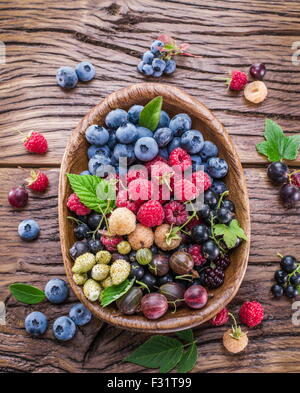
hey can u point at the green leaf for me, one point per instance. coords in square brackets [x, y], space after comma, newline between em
[277, 145]
[88, 187]
[186, 335]
[230, 233]
[150, 115]
[158, 352]
[110, 294]
[27, 293]
[188, 359]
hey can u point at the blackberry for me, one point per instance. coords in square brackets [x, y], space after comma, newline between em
[213, 278]
[222, 262]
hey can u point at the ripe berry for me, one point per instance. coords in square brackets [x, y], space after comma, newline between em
[204, 211]
[180, 158]
[149, 280]
[94, 245]
[251, 313]
[277, 290]
[221, 318]
[154, 305]
[174, 293]
[295, 279]
[288, 263]
[278, 172]
[295, 179]
[281, 277]
[82, 232]
[289, 194]
[196, 252]
[237, 81]
[137, 270]
[213, 278]
[210, 199]
[36, 143]
[222, 262]
[258, 70]
[175, 213]
[37, 181]
[227, 204]
[210, 250]
[18, 197]
[224, 216]
[290, 291]
[164, 279]
[93, 220]
[196, 296]
[200, 234]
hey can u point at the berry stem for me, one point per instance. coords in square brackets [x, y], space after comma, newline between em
[143, 285]
[279, 255]
[187, 277]
[222, 196]
[75, 219]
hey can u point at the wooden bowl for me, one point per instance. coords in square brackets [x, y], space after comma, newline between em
[75, 160]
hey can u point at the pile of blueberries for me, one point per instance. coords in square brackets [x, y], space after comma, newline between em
[287, 279]
[152, 63]
[64, 328]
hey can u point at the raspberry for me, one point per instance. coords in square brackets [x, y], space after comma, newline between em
[151, 214]
[122, 201]
[221, 318]
[195, 251]
[76, 206]
[38, 181]
[181, 158]
[184, 190]
[213, 278]
[134, 174]
[155, 160]
[201, 180]
[295, 179]
[161, 172]
[36, 143]
[251, 313]
[237, 81]
[110, 242]
[222, 262]
[175, 213]
[139, 190]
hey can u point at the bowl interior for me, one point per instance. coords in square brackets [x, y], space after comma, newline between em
[75, 160]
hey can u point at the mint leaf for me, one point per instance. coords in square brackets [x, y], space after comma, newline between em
[277, 145]
[158, 352]
[186, 335]
[87, 188]
[230, 233]
[188, 359]
[150, 115]
[110, 294]
[27, 294]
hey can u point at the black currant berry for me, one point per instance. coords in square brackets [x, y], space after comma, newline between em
[210, 199]
[204, 211]
[278, 172]
[94, 220]
[289, 194]
[281, 277]
[295, 279]
[228, 205]
[288, 263]
[277, 290]
[94, 245]
[200, 234]
[290, 291]
[210, 250]
[82, 232]
[224, 216]
[137, 270]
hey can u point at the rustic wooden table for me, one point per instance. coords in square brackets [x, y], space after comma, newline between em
[40, 36]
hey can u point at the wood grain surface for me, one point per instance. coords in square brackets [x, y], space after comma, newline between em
[40, 36]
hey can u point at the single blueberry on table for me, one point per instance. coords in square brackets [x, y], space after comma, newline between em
[217, 167]
[122, 150]
[64, 328]
[127, 134]
[208, 150]
[143, 131]
[103, 150]
[174, 144]
[28, 230]
[116, 118]
[154, 47]
[218, 187]
[80, 315]
[163, 136]
[98, 161]
[66, 77]
[148, 57]
[134, 113]
[84, 173]
[85, 71]
[36, 323]
[56, 290]
[146, 149]
[180, 123]
[164, 120]
[148, 69]
[158, 65]
[97, 135]
[170, 67]
[192, 141]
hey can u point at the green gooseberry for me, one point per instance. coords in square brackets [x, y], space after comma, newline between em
[144, 256]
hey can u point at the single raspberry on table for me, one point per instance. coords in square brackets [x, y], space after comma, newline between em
[111, 242]
[139, 190]
[151, 214]
[76, 206]
[195, 250]
[213, 278]
[175, 213]
[36, 143]
[251, 313]
[222, 262]
[237, 80]
[221, 318]
[185, 190]
[180, 158]
[37, 181]
[201, 180]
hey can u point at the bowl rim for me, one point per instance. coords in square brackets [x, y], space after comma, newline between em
[134, 322]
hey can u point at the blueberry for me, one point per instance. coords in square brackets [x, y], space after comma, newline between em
[28, 230]
[78, 249]
[180, 123]
[174, 144]
[164, 120]
[36, 323]
[80, 315]
[84, 173]
[157, 74]
[112, 140]
[148, 69]
[116, 118]
[66, 77]
[218, 187]
[140, 67]
[56, 290]
[127, 151]
[94, 220]
[170, 67]
[163, 153]
[146, 148]
[64, 328]
[163, 136]
[148, 57]
[82, 231]
[158, 65]
[94, 245]
[97, 135]
[192, 141]
[103, 150]
[85, 71]
[217, 167]
[143, 131]
[154, 46]
[208, 150]
[127, 134]
[100, 162]
[196, 162]
[134, 113]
